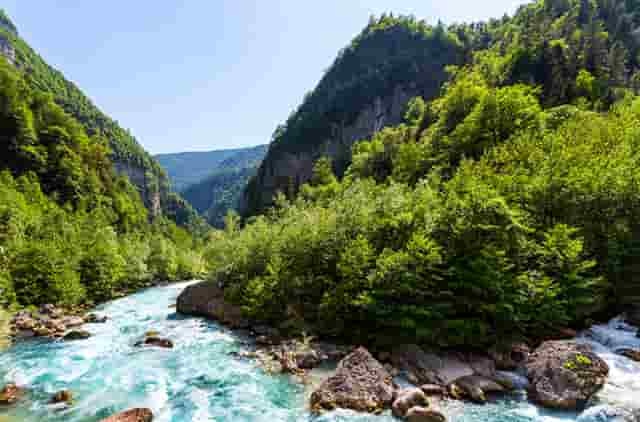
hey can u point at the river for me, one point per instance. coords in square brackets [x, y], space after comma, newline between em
[202, 379]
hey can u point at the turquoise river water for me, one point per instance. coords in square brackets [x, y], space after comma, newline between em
[202, 379]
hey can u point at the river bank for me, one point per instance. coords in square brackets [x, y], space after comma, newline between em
[205, 376]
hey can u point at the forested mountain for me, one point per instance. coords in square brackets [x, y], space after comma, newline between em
[189, 168]
[503, 203]
[547, 44]
[128, 156]
[221, 190]
[72, 229]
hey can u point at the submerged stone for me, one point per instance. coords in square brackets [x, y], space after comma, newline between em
[133, 415]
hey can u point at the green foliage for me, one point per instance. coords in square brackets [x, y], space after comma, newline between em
[484, 215]
[72, 231]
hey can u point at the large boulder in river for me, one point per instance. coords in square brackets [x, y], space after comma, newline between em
[430, 367]
[565, 374]
[133, 415]
[206, 299]
[360, 383]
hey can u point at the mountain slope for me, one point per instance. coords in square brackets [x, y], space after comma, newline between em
[505, 208]
[212, 182]
[397, 58]
[129, 157]
[188, 168]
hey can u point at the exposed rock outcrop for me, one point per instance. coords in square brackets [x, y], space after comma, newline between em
[206, 299]
[565, 374]
[145, 182]
[133, 415]
[281, 169]
[360, 383]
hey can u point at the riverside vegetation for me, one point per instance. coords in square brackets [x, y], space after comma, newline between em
[506, 207]
[71, 230]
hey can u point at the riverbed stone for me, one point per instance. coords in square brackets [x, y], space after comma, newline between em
[429, 367]
[133, 415]
[360, 383]
[64, 396]
[96, 319]
[77, 335]
[425, 414]
[406, 399]
[478, 387]
[510, 356]
[565, 374]
[206, 299]
[155, 342]
[633, 354]
[11, 394]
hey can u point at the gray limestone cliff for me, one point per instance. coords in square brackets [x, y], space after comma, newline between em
[281, 169]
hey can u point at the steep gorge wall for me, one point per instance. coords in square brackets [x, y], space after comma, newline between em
[282, 170]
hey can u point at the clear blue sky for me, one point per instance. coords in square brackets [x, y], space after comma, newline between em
[208, 74]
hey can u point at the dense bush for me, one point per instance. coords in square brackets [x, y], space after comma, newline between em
[483, 217]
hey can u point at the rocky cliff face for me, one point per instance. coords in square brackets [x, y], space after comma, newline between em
[282, 170]
[7, 50]
[140, 179]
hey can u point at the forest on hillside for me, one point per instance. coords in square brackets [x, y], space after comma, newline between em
[505, 206]
[71, 229]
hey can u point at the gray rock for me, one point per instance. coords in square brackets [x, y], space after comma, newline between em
[77, 335]
[477, 387]
[565, 374]
[207, 299]
[406, 399]
[360, 383]
[429, 367]
[424, 414]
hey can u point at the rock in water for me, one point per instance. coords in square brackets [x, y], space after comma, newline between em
[156, 342]
[424, 414]
[77, 335]
[631, 354]
[565, 374]
[477, 387]
[11, 394]
[406, 399]
[133, 415]
[360, 383]
[207, 299]
[64, 396]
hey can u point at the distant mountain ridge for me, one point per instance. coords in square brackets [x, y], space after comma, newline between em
[213, 181]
